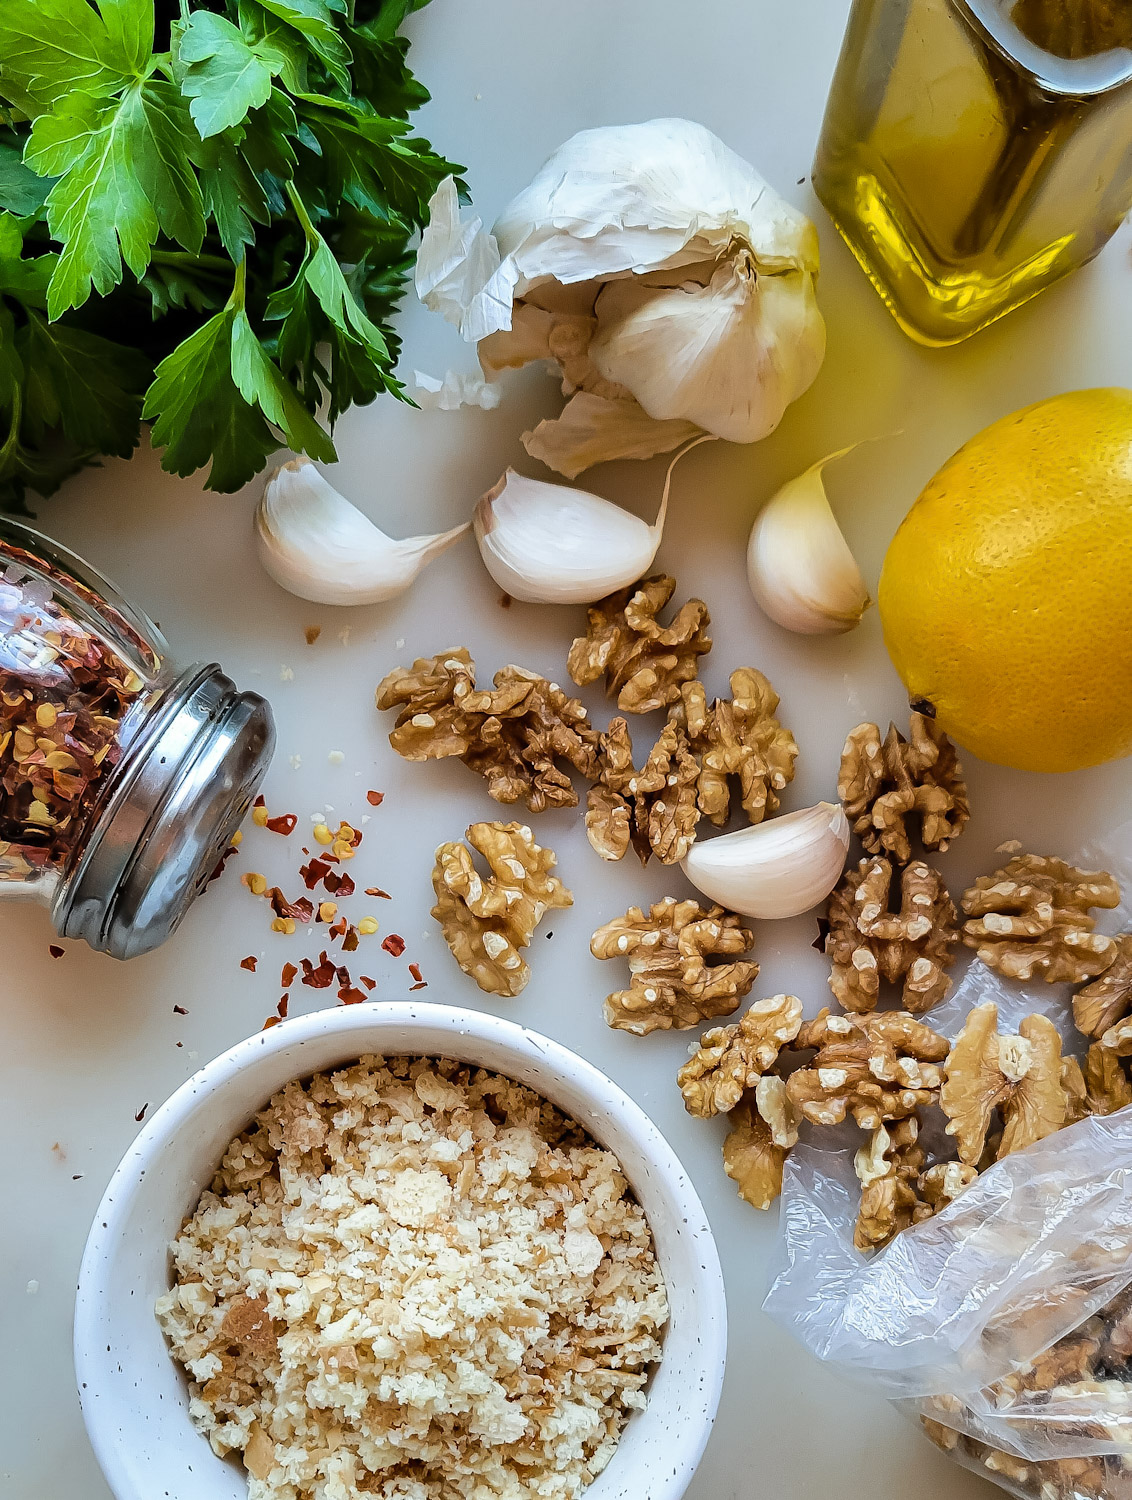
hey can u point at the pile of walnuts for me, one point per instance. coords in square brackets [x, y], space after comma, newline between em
[525, 736]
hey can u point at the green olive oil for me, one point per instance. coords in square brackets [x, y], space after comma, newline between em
[975, 151]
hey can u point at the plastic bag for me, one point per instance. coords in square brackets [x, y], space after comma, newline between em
[1005, 1321]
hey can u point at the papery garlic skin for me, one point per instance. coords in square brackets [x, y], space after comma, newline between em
[548, 544]
[776, 869]
[799, 565]
[658, 269]
[319, 546]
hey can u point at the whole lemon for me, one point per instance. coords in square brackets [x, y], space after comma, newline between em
[1006, 594]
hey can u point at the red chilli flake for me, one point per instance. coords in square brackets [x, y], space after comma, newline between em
[260, 801]
[318, 869]
[287, 977]
[351, 996]
[302, 909]
[249, 963]
[370, 984]
[394, 944]
[339, 885]
[55, 951]
[322, 977]
[375, 890]
[422, 986]
[350, 941]
[340, 928]
[140, 1116]
[224, 858]
[415, 971]
[270, 1022]
[375, 799]
[285, 824]
[282, 1006]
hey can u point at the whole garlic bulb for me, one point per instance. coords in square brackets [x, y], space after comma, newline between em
[657, 269]
[317, 545]
[799, 565]
[775, 869]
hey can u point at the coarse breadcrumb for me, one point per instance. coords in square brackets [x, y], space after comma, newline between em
[415, 1280]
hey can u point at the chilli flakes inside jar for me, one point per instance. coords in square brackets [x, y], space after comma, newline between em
[412, 1278]
[64, 694]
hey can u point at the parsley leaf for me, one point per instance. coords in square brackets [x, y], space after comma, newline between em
[52, 48]
[123, 175]
[226, 75]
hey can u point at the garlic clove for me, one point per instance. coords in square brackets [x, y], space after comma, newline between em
[317, 545]
[729, 355]
[779, 868]
[799, 565]
[549, 544]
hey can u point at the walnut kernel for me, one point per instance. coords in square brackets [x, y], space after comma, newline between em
[882, 785]
[868, 942]
[1019, 1075]
[1032, 917]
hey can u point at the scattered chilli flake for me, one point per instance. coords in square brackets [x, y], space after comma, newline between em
[375, 799]
[284, 824]
[270, 1022]
[179, 1010]
[302, 909]
[394, 944]
[327, 911]
[249, 963]
[55, 951]
[350, 941]
[415, 971]
[369, 983]
[339, 885]
[284, 1001]
[140, 1116]
[350, 996]
[312, 873]
[259, 812]
[421, 985]
[375, 890]
[287, 976]
[223, 860]
[322, 977]
[312, 633]
[340, 928]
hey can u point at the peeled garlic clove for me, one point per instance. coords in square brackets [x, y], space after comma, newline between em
[548, 544]
[317, 545]
[729, 355]
[799, 565]
[779, 868]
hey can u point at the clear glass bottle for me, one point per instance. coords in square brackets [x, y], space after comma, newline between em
[122, 777]
[975, 151]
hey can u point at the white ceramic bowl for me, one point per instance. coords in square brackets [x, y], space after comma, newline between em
[135, 1398]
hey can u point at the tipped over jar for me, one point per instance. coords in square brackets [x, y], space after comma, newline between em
[122, 776]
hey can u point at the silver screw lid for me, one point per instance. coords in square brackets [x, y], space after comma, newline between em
[179, 795]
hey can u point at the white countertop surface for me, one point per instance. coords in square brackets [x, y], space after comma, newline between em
[87, 1042]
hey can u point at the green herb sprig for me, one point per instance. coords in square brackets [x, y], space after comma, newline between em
[205, 216]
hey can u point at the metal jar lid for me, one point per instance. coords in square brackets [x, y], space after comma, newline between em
[179, 795]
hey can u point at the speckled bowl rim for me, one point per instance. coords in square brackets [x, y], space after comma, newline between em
[667, 1439]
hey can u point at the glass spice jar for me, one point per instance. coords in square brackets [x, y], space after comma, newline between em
[975, 151]
[122, 776]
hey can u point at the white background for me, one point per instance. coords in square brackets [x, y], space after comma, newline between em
[85, 1042]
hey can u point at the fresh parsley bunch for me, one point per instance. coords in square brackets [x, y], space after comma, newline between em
[205, 212]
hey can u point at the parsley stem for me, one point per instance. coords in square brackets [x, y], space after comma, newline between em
[239, 286]
[217, 263]
[301, 213]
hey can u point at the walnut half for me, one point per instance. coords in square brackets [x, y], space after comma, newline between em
[731, 1059]
[643, 662]
[875, 1068]
[1020, 1076]
[1032, 917]
[673, 984]
[487, 921]
[868, 941]
[884, 784]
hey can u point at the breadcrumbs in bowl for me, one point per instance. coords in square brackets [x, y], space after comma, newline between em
[417, 1279]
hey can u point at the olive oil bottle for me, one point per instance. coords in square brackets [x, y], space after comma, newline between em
[974, 151]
